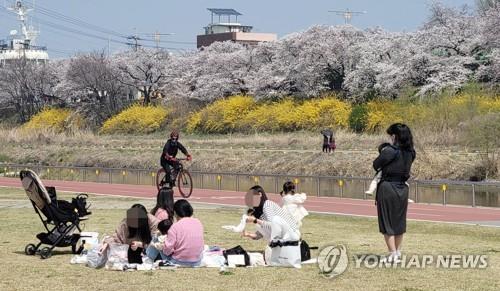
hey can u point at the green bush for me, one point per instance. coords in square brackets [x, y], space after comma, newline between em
[358, 118]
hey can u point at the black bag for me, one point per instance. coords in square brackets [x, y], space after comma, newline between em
[305, 251]
[237, 250]
[135, 257]
[80, 204]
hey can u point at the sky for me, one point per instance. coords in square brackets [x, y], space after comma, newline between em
[103, 22]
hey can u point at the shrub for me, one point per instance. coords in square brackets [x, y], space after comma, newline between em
[324, 112]
[55, 119]
[136, 119]
[275, 116]
[242, 113]
[222, 116]
[358, 118]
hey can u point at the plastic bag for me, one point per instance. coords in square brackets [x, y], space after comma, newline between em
[117, 255]
[286, 256]
[95, 259]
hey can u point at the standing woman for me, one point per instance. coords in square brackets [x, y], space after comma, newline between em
[392, 191]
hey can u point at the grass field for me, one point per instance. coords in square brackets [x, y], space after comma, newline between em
[19, 225]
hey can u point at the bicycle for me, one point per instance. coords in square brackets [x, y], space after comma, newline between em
[184, 180]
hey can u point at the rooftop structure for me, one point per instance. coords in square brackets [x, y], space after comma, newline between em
[226, 30]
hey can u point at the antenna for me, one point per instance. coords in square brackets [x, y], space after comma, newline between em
[347, 14]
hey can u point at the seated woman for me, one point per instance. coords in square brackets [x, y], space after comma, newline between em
[164, 208]
[275, 225]
[292, 202]
[184, 243]
[135, 231]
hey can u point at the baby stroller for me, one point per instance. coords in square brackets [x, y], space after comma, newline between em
[62, 218]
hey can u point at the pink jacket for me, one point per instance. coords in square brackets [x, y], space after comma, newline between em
[185, 240]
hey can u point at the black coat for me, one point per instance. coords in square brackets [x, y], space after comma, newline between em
[395, 163]
[172, 148]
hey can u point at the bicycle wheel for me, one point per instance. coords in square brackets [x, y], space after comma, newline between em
[185, 183]
[160, 178]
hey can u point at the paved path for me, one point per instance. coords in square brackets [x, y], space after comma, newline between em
[330, 205]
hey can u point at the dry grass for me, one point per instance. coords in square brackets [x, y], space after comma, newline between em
[21, 272]
[284, 153]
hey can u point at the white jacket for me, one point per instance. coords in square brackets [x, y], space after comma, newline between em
[293, 204]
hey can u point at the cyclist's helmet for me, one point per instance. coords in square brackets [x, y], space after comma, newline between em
[174, 134]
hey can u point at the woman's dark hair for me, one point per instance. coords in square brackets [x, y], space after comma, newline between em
[182, 208]
[164, 226]
[142, 231]
[259, 210]
[288, 187]
[165, 200]
[404, 138]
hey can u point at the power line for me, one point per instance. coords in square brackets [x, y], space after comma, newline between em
[75, 21]
[85, 25]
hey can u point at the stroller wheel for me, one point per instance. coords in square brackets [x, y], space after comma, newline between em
[30, 249]
[45, 253]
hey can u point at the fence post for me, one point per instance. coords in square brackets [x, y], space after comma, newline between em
[341, 184]
[201, 178]
[444, 187]
[473, 195]
[237, 182]
[416, 191]
[364, 189]
[318, 187]
[276, 186]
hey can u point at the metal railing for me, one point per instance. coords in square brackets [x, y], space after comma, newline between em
[485, 194]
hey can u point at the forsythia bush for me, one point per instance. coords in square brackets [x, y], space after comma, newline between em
[442, 113]
[274, 116]
[242, 113]
[136, 119]
[49, 118]
[331, 112]
[221, 116]
[381, 114]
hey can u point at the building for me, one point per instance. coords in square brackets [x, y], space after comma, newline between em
[21, 45]
[230, 31]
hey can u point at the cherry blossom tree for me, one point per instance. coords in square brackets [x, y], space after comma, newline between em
[143, 69]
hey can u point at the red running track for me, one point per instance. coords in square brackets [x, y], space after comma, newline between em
[331, 205]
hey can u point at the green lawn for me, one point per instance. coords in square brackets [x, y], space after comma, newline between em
[19, 224]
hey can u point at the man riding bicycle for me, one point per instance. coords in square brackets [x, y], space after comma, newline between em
[168, 157]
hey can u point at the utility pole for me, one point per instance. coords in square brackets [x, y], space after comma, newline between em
[134, 38]
[155, 36]
[347, 14]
